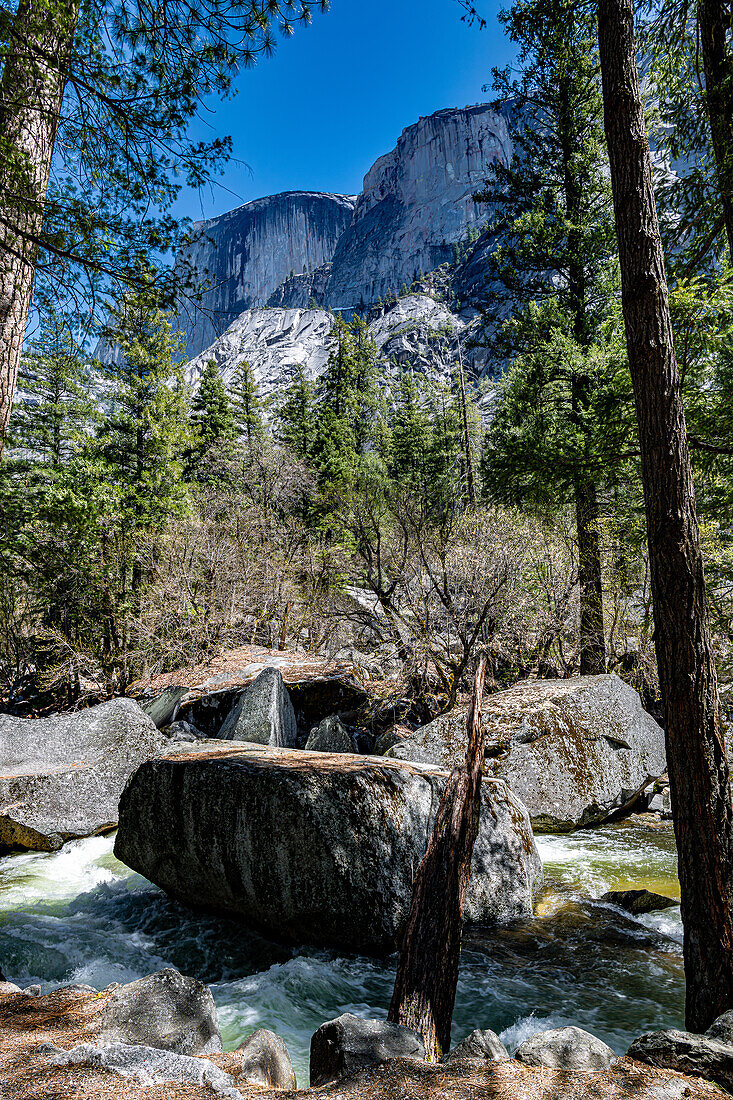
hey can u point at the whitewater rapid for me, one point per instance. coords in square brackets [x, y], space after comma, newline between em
[79, 915]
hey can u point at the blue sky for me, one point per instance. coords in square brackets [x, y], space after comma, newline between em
[338, 93]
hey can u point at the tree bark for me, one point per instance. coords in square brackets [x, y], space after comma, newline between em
[714, 22]
[427, 971]
[590, 582]
[31, 91]
[698, 768]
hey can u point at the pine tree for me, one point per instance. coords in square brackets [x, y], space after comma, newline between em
[554, 211]
[55, 408]
[411, 435]
[145, 434]
[296, 416]
[246, 404]
[211, 409]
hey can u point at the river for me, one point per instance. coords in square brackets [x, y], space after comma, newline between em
[79, 915]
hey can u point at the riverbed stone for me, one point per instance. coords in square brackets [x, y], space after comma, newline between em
[566, 1048]
[166, 1010]
[637, 902]
[331, 736]
[699, 1055]
[722, 1028]
[481, 1046]
[574, 751]
[348, 1044]
[61, 777]
[313, 847]
[265, 1061]
[263, 713]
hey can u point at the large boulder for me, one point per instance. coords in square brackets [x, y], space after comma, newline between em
[566, 1048]
[331, 735]
[479, 1046]
[347, 1044]
[574, 751]
[61, 777]
[265, 1061]
[313, 847]
[698, 1055]
[263, 713]
[166, 1010]
[637, 902]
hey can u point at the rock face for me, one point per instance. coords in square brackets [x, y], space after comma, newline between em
[313, 847]
[265, 1061]
[698, 1055]
[263, 713]
[166, 1010]
[330, 736]
[61, 777]
[479, 1046]
[348, 1044]
[566, 1048]
[415, 331]
[246, 253]
[573, 751]
[416, 202]
[275, 342]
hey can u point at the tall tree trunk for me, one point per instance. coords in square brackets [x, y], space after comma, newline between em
[592, 633]
[427, 971]
[698, 769]
[31, 91]
[714, 23]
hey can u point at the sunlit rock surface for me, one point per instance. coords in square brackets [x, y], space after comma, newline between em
[313, 847]
[246, 253]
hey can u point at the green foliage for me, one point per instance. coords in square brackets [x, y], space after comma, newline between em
[296, 417]
[54, 405]
[246, 403]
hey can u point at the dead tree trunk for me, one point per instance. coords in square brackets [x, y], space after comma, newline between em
[714, 23]
[427, 971]
[31, 91]
[698, 769]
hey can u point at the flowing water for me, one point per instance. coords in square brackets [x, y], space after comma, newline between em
[79, 915]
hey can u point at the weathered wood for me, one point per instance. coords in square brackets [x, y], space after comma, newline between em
[427, 971]
[698, 768]
[31, 91]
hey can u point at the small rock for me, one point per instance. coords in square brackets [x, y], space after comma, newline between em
[6, 988]
[656, 804]
[479, 1046]
[265, 1061]
[165, 1010]
[638, 901]
[722, 1028]
[347, 1044]
[263, 713]
[33, 990]
[183, 731]
[698, 1055]
[566, 1048]
[331, 736]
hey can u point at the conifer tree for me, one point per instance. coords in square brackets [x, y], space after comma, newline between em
[296, 415]
[145, 434]
[411, 435]
[211, 409]
[554, 210]
[55, 407]
[246, 404]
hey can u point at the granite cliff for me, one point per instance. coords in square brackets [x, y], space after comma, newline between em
[244, 255]
[302, 252]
